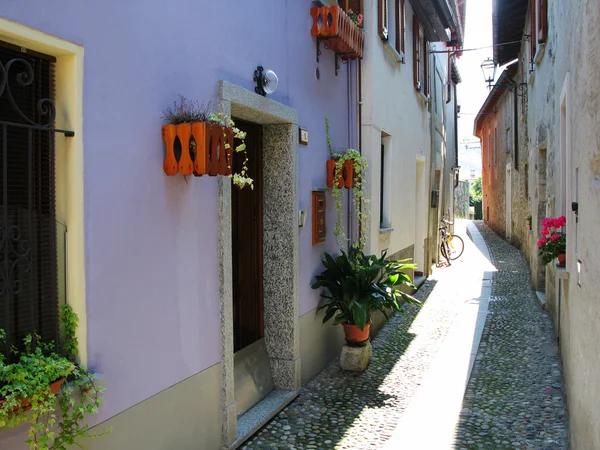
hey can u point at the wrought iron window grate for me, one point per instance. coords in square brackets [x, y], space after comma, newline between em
[28, 235]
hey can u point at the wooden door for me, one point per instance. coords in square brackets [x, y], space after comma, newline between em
[247, 244]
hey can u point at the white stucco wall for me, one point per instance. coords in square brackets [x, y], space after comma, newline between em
[392, 106]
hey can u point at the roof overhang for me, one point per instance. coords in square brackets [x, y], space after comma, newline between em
[505, 80]
[508, 21]
[437, 17]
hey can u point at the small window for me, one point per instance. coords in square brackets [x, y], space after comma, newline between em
[384, 183]
[355, 5]
[489, 150]
[538, 16]
[495, 145]
[420, 63]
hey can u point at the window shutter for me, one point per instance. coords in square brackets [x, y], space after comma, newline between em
[382, 18]
[532, 46]
[28, 265]
[425, 68]
[400, 26]
[416, 53]
[542, 20]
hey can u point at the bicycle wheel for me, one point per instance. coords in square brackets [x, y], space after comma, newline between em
[456, 246]
[445, 250]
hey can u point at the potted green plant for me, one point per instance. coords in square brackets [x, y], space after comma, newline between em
[38, 388]
[553, 242]
[357, 285]
[529, 222]
[348, 169]
[201, 142]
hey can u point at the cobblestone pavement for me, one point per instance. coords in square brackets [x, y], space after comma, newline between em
[514, 398]
[514, 394]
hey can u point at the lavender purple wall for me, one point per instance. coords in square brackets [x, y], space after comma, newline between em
[151, 240]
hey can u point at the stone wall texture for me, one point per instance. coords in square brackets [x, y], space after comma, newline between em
[558, 163]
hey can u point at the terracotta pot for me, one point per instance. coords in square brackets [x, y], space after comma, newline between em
[26, 404]
[562, 260]
[348, 174]
[169, 133]
[331, 174]
[355, 335]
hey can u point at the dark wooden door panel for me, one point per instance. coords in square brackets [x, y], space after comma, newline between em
[247, 240]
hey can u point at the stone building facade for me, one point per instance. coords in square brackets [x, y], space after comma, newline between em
[558, 62]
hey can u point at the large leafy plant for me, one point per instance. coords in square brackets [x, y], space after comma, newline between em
[56, 420]
[357, 285]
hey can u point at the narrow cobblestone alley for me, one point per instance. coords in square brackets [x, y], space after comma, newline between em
[411, 395]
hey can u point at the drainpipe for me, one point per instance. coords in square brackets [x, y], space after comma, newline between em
[349, 206]
[430, 226]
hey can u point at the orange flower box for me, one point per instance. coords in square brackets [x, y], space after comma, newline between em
[343, 36]
[209, 155]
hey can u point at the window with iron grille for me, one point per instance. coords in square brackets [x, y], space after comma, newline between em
[28, 253]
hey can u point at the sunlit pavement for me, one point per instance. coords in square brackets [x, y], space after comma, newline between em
[416, 392]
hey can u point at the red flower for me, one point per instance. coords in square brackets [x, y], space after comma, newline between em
[555, 237]
[562, 221]
[545, 231]
[546, 222]
[541, 242]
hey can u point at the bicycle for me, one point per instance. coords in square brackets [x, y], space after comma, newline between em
[451, 245]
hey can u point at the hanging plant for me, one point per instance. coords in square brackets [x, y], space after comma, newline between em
[352, 178]
[42, 381]
[206, 142]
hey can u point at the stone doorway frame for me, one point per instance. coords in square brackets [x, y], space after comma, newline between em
[280, 246]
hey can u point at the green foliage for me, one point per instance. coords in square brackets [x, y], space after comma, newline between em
[69, 322]
[55, 420]
[359, 201]
[239, 179]
[329, 142]
[475, 190]
[357, 285]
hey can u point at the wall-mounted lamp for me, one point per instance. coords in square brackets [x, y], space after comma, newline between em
[266, 81]
[488, 67]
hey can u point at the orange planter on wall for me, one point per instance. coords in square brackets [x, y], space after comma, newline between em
[184, 133]
[346, 178]
[331, 175]
[203, 149]
[169, 133]
[343, 36]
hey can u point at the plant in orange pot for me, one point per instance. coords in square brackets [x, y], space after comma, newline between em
[553, 242]
[357, 285]
[348, 167]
